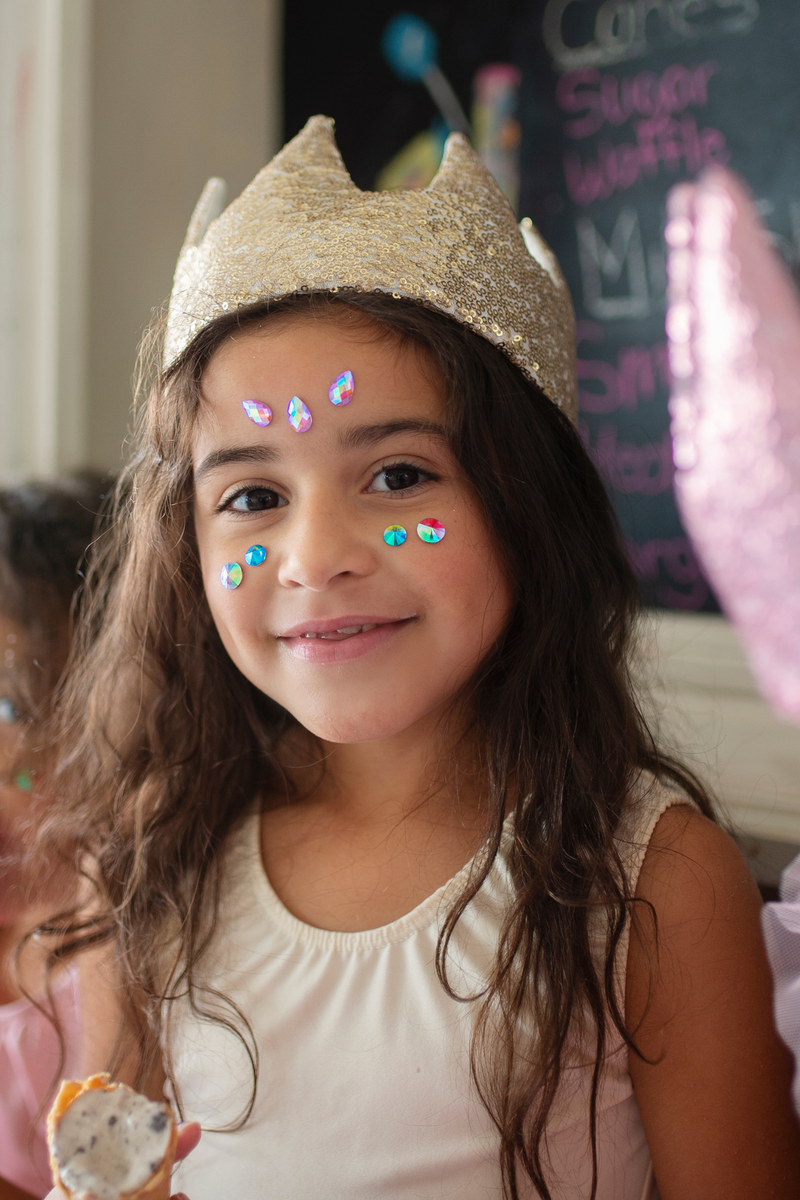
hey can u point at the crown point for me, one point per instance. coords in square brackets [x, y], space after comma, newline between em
[210, 205]
[311, 159]
[460, 163]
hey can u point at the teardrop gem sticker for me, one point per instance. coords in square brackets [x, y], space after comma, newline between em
[258, 412]
[299, 415]
[341, 390]
[231, 576]
[431, 530]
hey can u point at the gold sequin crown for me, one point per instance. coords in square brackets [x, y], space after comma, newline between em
[302, 225]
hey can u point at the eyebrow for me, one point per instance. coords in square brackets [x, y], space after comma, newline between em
[369, 435]
[236, 454]
[354, 438]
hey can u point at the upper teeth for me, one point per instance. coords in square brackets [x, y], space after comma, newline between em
[347, 629]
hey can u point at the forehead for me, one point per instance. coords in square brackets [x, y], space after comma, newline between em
[302, 356]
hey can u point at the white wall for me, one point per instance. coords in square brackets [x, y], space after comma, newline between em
[113, 113]
[709, 710]
[44, 133]
[181, 90]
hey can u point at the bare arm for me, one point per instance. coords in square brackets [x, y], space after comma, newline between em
[715, 1095]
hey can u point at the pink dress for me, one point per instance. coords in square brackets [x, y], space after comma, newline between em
[29, 1059]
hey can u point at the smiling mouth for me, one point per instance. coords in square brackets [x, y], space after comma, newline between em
[340, 635]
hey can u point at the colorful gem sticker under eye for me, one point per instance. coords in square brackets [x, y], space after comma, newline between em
[341, 390]
[24, 780]
[431, 530]
[255, 556]
[394, 535]
[231, 576]
[298, 414]
[258, 412]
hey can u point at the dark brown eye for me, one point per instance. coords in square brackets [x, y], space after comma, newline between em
[256, 500]
[399, 478]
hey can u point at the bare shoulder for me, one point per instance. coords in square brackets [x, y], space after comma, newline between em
[693, 868]
[712, 1079]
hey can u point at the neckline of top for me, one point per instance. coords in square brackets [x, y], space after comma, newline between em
[397, 931]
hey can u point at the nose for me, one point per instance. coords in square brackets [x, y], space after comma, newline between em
[322, 544]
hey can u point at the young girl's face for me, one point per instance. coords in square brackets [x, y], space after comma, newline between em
[358, 639]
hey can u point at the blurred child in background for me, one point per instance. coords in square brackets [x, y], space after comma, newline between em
[45, 531]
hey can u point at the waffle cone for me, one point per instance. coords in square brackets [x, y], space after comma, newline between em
[157, 1186]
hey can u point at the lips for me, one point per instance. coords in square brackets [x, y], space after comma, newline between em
[339, 639]
[340, 635]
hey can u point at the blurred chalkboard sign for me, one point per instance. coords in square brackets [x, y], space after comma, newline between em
[622, 98]
[619, 100]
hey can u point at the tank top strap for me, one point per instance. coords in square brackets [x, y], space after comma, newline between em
[649, 800]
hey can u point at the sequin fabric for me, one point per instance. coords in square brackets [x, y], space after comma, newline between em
[733, 324]
[303, 226]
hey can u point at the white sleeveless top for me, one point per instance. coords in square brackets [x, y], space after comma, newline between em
[364, 1089]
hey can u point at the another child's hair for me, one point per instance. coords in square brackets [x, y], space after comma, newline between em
[167, 744]
[45, 533]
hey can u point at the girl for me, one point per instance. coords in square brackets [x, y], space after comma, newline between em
[44, 534]
[398, 896]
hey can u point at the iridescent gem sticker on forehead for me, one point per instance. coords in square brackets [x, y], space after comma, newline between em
[299, 415]
[258, 412]
[231, 576]
[341, 390]
[431, 530]
[394, 535]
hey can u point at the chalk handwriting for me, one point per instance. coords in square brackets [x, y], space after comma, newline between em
[640, 370]
[627, 29]
[607, 262]
[646, 470]
[675, 557]
[659, 140]
[604, 98]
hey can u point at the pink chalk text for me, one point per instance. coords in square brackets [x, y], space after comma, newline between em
[676, 558]
[636, 376]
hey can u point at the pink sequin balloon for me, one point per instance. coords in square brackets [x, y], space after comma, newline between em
[733, 325]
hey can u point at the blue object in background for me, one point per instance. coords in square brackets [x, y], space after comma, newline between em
[410, 47]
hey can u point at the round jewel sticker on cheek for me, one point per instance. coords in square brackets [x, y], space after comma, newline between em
[431, 530]
[231, 576]
[394, 535]
[255, 556]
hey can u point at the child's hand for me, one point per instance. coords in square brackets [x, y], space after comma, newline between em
[188, 1137]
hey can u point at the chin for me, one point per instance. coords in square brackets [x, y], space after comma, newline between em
[346, 727]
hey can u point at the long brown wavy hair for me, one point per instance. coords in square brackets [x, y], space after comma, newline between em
[166, 744]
